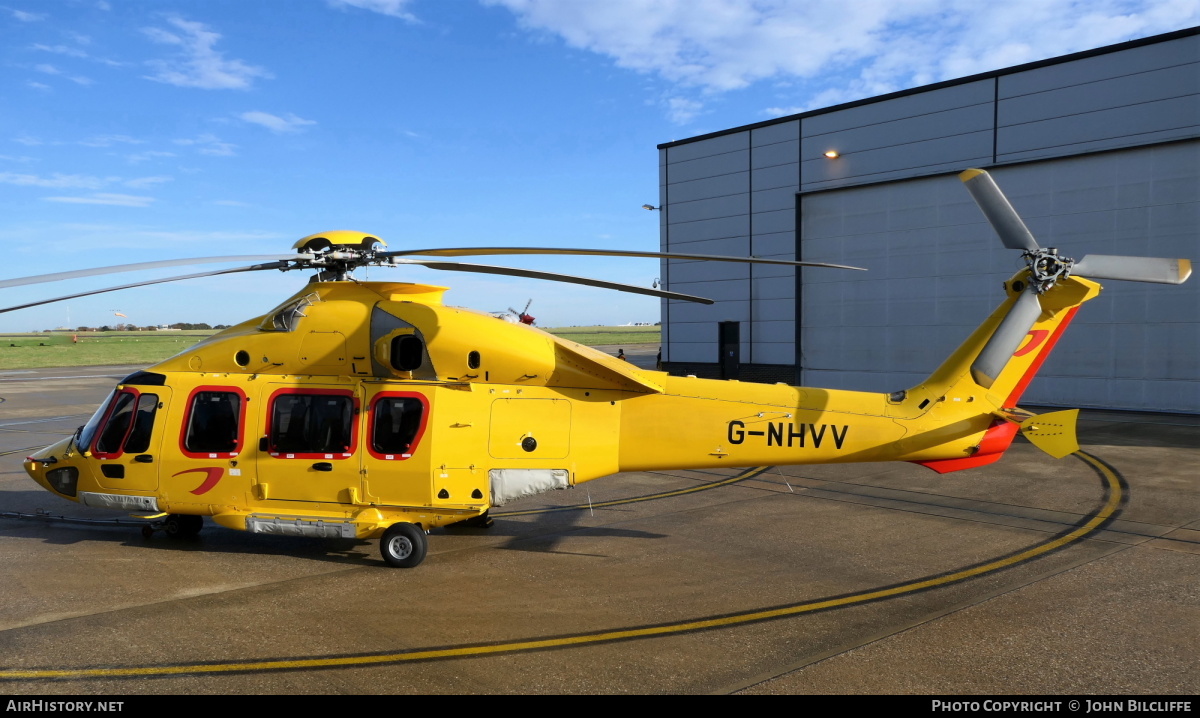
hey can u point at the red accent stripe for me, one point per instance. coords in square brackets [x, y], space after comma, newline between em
[995, 442]
[212, 474]
[1019, 389]
[1036, 337]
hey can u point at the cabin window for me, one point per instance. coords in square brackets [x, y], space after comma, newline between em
[397, 423]
[305, 423]
[406, 352]
[213, 423]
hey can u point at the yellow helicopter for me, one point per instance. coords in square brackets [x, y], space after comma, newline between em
[372, 410]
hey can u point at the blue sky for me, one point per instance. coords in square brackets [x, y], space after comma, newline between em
[144, 130]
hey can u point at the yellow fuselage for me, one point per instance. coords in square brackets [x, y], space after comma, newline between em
[488, 403]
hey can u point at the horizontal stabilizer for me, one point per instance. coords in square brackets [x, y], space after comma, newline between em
[1053, 433]
[1134, 269]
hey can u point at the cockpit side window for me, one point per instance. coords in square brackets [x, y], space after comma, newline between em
[143, 424]
[116, 425]
[397, 423]
[213, 425]
[312, 424]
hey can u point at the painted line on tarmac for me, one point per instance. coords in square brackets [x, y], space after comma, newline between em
[43, 421]
[78, 376]
[10, 452]
[1113, 499]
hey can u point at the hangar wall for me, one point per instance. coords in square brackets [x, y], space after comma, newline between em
[1099, 152]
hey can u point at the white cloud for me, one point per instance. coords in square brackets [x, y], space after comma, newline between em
[274, 123]
[148, 155]
[27, 140]
[109, 141]
[394, 8]
[62, 181]
[61, 50]
[117, 200]
[75, 52]
[58, 181]
[38, 85]
[52, 70]
[142, 182]
[681, 110]
[198, 64]
[839, 50]
[207, 144]
[27, 16]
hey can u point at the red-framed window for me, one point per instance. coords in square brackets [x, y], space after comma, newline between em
[214, 423]
[395, 424]
[312, 423]
[127, 425]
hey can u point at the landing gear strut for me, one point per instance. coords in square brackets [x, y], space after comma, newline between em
[176, 526]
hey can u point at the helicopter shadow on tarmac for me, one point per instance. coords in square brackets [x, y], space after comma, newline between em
[544, 535]
[550, 529]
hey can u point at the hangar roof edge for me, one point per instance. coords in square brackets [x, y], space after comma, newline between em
[1061, 59]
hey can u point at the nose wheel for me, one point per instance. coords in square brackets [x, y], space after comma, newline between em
[176, 526]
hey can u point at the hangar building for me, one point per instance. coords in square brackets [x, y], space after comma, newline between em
[1098, 151]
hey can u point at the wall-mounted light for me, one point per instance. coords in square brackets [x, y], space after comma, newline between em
[650, 206]
[833, 154]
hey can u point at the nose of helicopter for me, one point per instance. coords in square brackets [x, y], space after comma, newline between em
[53, 468]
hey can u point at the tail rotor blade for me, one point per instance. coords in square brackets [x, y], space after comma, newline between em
[1134, 269]
[1007, 337]
[999, 212]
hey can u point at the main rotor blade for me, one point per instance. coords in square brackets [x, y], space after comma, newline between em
[251, 268]
[469, 251]
[552, 276]
[1000, 214]
[1134, 269]
[1007, 337]
[57, 276]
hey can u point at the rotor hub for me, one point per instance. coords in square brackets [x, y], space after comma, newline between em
[1046, 268]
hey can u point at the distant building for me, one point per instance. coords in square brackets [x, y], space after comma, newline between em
[1099, 151]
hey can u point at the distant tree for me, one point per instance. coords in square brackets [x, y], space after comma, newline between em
[105, 328]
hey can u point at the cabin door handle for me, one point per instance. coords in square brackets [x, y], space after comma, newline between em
[323, 466]
[144, 459]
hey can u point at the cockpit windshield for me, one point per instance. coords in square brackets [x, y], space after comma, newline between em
[89, 429]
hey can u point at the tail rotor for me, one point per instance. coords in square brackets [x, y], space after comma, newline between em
[1046, 269]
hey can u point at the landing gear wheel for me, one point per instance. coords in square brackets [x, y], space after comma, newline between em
[403, 545]
[147, 531]
[180, 526]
